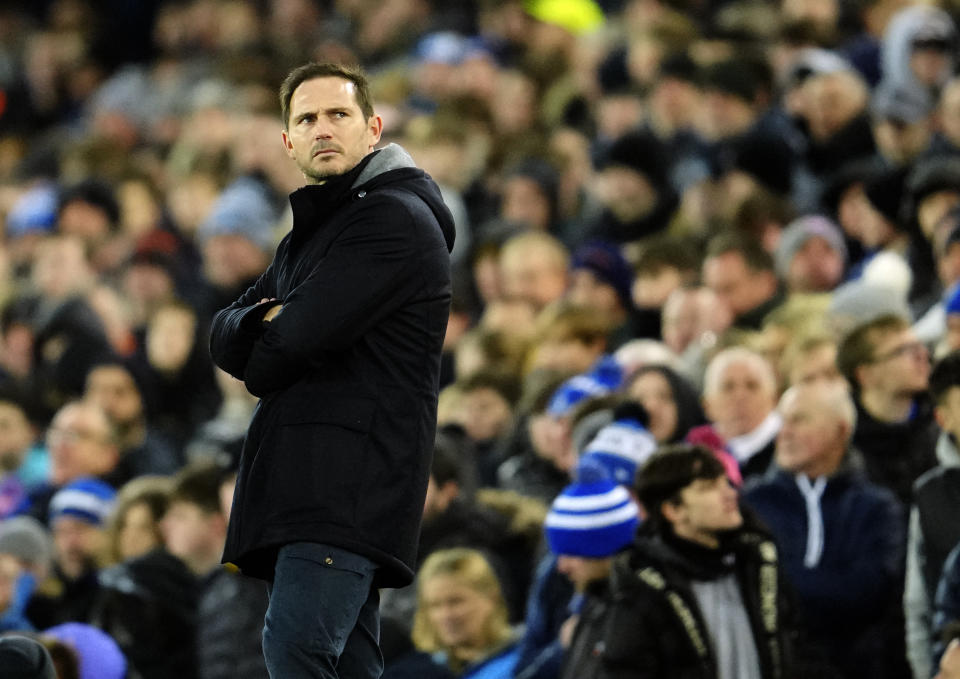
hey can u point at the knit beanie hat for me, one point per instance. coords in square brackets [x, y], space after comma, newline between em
[593, 517]
[87, 499]
[27, 539]
[766, 158]
[608, 264]
[243, 209]
[605, 376]
[620, 448]
[99, 655]
[641, 152]
[802, 229]
[885, 191]
[25, 658]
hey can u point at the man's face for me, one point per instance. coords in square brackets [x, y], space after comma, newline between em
[816, 267]
[76, 543]
[901, 364]
[327, 133]
[707, 507]
[79, 443]
[733, 282]
[486, 414]
[582, 570]
[625, 192]
[901, 142]
[525, 202]
[818, 364]
[112, 388]
[810, 436]
[741, 400]
[138, 531]
[187, 530]
[535, 276]
[588, 290]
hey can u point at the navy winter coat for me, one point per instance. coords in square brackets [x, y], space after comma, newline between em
[339, 448]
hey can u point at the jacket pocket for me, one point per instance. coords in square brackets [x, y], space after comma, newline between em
[319, 458]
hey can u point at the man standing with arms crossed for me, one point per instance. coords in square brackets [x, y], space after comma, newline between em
[341, 340]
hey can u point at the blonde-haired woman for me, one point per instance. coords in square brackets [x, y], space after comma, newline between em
[461, 617]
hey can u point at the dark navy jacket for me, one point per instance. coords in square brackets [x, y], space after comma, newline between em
[857, 576]
[339, 448]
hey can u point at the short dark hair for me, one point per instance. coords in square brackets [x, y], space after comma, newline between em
[313, 70]
[754, 256]
[668, 471]
[503, 383]
[199, 484]
[944, 376]
[663, 252]
[858, 347]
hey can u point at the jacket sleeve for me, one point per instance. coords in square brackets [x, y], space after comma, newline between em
[364, 277]
[946, 607]
[541, 655]
[236, 328]
[631, 650]
[916, 603]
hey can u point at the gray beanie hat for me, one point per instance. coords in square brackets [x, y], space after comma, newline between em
[27, 539]
[25, 658]
[799, 231]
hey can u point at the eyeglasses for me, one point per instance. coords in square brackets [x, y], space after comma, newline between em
[916, 348]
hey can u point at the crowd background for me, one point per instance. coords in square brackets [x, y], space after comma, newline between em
[686, 205]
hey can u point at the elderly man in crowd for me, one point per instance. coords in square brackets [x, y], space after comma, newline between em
[840, 537]
[739, 398]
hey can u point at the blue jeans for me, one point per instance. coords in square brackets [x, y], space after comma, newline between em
[323, 620]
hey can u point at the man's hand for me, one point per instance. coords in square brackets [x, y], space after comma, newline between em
[272, 311]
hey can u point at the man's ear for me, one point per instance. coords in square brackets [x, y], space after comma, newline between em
[375, 125]
[671, 511]
[287, 146]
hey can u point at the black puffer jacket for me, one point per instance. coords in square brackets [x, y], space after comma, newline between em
[644, 622]
[230, 626]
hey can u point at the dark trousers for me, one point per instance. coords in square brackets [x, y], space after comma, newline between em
[323, 620]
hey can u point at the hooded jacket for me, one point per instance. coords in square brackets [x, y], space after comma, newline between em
[339, 448]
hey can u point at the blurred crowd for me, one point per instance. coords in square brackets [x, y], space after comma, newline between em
[671, 214]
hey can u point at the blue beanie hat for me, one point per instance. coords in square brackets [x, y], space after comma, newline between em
[87, 499]
[620, 448]
[603, 377]
[593, 517]
[608, 264]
